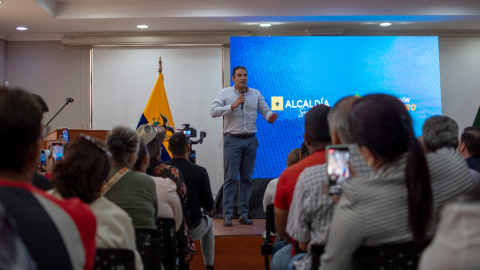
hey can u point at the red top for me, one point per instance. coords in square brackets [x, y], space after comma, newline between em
[73, 219]
[288, 179]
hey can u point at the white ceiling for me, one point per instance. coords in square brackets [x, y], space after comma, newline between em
[72, 19]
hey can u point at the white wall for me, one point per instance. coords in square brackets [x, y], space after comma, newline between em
[123, 79]
[460, 78]
[55, 74]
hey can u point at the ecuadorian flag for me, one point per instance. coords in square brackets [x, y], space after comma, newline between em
[157, 112]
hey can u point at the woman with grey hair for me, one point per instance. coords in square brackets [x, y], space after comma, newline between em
[132, 191]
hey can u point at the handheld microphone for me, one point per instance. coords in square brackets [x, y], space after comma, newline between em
[69, 100]
[241, 104]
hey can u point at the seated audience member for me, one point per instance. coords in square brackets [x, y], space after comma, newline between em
[132, 191]
[59, 234]
[168, 201]
[82, 173]
[469, 148]
[293, 157]
[154, 142]
[199, 195]
[317, 138]
[39, 180]
[456, 244]
[13, 253]
[405, 182]
[304, 151]
[306, 223]
[439, 132]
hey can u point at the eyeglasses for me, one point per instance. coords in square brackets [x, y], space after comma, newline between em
[96, 143]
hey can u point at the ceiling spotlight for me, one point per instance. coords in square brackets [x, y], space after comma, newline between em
[1, 1]
[142, 26]
[265, 24]
[21, 28]
[385, 24]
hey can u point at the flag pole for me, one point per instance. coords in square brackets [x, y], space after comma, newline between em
[160, 65]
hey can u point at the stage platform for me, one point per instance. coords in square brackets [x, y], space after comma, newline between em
[236, 247]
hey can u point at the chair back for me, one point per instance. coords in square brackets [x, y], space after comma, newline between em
[266, 248]
[398, 256]
[168, 241]
[316, 251]
[148, 245]
[108, 259]
[270, 220]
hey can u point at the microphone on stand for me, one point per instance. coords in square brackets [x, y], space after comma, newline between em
[241, 104]
[69, 100]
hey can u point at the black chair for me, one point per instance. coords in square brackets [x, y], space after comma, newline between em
[393, 257]
[148, 245]
[267, 245]
[316, 251]
[168, 242]
[108, 259]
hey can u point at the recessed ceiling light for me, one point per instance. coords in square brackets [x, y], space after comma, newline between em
[21, 28]
[142, 26]
[1, 1]
[385, 24]
[265, 24]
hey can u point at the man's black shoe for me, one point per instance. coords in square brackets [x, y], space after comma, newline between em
[227, 222]
[245, 220]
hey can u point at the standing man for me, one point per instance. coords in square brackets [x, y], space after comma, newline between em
[238, 105]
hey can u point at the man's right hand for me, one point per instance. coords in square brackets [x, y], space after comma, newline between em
[240, 99]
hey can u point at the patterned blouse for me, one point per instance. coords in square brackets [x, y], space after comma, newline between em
[171, 172]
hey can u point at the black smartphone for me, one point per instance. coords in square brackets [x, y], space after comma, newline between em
[57, 151]
[65, 134]
[338, 171]
[43, 159]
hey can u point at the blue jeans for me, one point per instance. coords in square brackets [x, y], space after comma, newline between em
[238, 157]
[277, 246]
[281, 258]
[294, 259]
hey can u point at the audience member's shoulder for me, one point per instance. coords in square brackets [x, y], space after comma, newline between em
[444, 155]
[315, 172]
[141, 177]
[41, 182]
[165, 183]
[110, 209]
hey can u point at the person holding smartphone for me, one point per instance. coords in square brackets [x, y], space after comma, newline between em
[306, 223]
[399, 202]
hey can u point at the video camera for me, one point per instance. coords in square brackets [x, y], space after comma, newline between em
[191, 132]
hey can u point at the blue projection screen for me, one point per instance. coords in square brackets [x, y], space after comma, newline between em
[295, 73]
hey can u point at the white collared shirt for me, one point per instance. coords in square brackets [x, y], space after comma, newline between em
[238, 121]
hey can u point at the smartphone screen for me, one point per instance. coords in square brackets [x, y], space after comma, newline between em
[65, 134]
[338, 159]
[57, 151]
[43, 159]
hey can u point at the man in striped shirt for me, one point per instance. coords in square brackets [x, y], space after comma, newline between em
[312, 207]
[59, 234]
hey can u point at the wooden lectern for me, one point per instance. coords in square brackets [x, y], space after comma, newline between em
[54, 136]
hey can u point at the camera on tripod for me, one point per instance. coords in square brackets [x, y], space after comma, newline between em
[191, 132]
